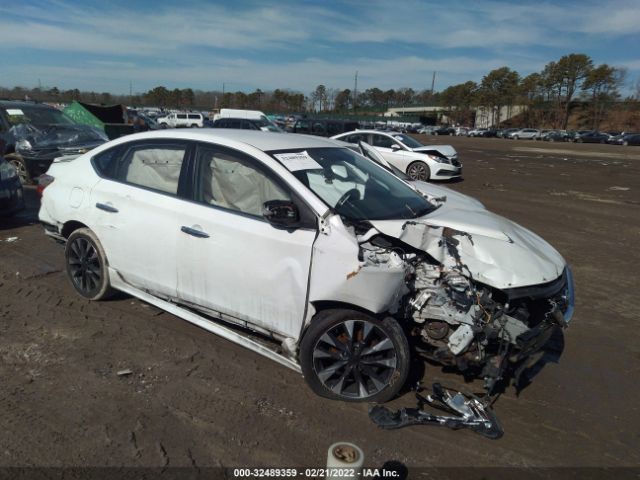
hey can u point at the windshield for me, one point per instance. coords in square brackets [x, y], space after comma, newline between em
[265, 124]
[37, 116]
[407, 140]
[354, 186]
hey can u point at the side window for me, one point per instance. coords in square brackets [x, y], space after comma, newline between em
[233, 181]
[106, 162]
[182, 116]
[153, 166]
[355, 138]
[247, 125]
[382, 141]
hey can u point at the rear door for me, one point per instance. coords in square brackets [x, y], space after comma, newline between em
[138, 210]
[231, 260]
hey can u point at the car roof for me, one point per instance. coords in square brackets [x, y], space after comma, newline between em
[265, 141]
[383, 132]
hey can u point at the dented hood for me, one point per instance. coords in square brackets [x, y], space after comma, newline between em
[446, 150]
[453, 199]
[497, 251]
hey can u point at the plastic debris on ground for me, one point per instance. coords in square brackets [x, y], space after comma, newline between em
[465, 411]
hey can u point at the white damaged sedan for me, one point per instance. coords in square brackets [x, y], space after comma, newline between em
[328, 262]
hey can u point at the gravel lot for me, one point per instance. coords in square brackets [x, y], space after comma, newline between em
[194, 399]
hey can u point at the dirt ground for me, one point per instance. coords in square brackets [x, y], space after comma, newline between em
[196, 400]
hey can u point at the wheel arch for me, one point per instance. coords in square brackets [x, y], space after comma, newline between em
[71, 226]
[324, 307]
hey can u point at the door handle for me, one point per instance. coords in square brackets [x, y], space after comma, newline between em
[106, 207]
[194, 232]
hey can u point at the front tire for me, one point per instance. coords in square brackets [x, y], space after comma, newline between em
[419, 170]
[21, 167]
[86, 265]
[351, 356]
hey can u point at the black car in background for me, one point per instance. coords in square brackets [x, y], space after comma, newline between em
[324, 128]
[246, 124]
[445, 131]
[631, 139]
[33, 134]
[557, 136]
[11, 194]
[591, 137]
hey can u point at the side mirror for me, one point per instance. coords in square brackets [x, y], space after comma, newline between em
[395, 146]
[281, 213]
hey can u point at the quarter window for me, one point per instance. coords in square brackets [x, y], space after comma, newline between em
[232, 181]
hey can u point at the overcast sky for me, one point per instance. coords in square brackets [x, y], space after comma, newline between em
[103, 45]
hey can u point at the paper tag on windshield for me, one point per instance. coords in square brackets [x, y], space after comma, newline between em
[298, 161]
[14, 111]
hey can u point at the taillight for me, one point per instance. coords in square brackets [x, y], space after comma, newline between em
[43, 182]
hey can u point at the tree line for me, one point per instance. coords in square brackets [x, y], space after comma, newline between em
[544, 98]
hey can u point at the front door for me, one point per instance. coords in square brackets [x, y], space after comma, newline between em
[231, 259]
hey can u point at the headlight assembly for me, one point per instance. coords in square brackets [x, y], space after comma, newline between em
[23, 144]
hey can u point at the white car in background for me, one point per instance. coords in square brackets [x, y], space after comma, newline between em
[328, 254]
[524, 134]
[184, 120]
[418, 161]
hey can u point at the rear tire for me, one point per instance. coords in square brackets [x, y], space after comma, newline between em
[86, 265]
[419, 170]
[351, 356]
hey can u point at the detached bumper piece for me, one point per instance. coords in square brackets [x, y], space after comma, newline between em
[465, 411]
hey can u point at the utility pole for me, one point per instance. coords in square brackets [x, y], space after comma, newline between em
[355, 92]
[433, 82]
[130, 92]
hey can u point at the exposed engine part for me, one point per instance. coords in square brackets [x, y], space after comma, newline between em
[436, 330]
[462, 323]
[460, 339]
[467, 411]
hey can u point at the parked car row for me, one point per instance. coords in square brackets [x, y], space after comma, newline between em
[549, 135]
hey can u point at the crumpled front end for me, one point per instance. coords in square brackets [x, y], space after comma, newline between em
[484, 302]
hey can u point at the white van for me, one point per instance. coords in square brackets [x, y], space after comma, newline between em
[237, 113]
[176, 120]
